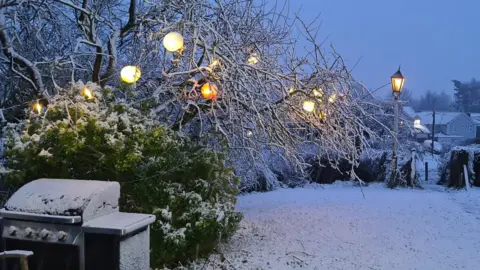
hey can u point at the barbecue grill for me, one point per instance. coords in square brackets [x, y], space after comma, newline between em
[74, 225]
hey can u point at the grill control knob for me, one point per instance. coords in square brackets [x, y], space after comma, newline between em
[62, 236]
[45, 234]
[28, 232]
[12, 230]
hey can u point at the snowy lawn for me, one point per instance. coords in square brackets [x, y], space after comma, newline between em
[333, 227]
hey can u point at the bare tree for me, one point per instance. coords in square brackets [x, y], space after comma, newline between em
[406, 95]
[435, 101]
[48, 43]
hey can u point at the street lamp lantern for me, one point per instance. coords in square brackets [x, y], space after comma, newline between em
[397, 82]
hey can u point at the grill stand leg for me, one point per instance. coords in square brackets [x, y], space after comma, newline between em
[24, 263]
[81, 249]
[4, 247]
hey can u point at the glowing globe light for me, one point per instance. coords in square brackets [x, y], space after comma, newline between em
[130, 74]
[308, 105]
[173, 42]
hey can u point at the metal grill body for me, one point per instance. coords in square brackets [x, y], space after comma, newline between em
[74, 225]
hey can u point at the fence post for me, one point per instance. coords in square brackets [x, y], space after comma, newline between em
[426, 171]
[467, 182]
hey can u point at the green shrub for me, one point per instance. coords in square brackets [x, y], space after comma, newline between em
[184, 184]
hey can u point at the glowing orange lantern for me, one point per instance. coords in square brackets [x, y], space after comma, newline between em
[209, 91]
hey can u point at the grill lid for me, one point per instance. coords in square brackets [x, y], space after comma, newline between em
[61, 197]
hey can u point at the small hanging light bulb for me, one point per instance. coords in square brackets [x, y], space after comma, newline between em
[308, 105]
[87, 93]
[323, 115]
[253, 59]
[37, 107]
[215, 63]
[332, 98]
[317, 92]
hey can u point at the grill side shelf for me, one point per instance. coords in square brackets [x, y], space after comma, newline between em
[118, 223]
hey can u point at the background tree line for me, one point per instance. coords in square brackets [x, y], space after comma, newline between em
[466, 98]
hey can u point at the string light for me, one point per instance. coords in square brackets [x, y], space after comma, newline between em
[332, 98]
[253, 59]
[209, 91]
[173, 42]
[130, 74]
[318, 93]
[87, 93]
[308, 105]
[322, 115]
[37, 107]
[215, 63]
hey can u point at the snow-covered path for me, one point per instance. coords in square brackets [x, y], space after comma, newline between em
[335, 228]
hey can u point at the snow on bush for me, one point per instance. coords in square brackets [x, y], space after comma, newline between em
[187, 186]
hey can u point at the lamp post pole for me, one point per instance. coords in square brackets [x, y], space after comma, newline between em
[433, 129]
[397, 83]
[395, 139]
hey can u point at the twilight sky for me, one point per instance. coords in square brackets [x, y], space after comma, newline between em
[434, 41]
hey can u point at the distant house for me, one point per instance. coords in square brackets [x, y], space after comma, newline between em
[476, 118]
[449, 126]
[421, 132]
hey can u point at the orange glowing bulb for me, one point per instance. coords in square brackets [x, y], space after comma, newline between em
[209, 91]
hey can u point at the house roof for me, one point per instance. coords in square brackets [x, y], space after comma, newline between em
[441, 118]
[475, 117]
[409, 111]
[441, 135]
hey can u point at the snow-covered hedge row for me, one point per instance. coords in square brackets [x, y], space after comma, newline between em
[266, 172]
[451, 168]
[375, 166]
[186, 185]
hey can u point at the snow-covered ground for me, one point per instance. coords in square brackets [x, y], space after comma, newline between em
[334, 227]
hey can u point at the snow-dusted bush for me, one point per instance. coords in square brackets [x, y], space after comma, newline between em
[185, 185]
